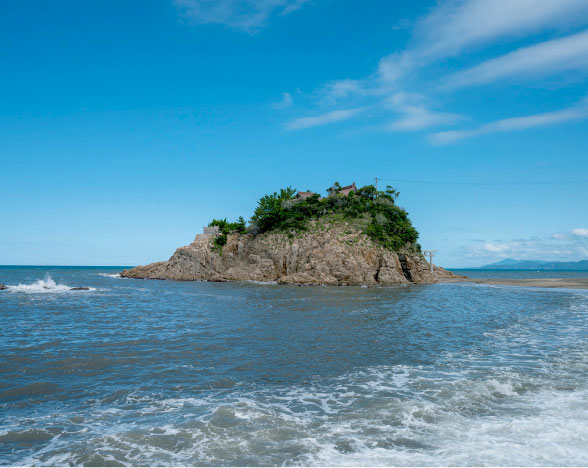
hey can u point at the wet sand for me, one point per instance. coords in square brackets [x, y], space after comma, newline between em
[571, 283]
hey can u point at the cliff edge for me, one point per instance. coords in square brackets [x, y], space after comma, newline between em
[329, 253]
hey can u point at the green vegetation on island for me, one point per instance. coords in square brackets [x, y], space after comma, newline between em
[225, 228]
[291, 212]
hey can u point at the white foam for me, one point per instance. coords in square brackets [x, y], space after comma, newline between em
[111, 275]
[449, 418]
[47, 285]
[467, 409]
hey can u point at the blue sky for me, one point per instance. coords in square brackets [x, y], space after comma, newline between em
[126, 126]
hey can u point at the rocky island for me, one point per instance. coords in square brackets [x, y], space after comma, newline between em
[351, 237]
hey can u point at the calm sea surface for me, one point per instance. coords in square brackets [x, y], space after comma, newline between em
[138, 372]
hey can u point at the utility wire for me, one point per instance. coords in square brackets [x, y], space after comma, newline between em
[545, 182]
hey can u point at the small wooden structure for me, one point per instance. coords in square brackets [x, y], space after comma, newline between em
[344, 191]
[304, 195]
[348, 188]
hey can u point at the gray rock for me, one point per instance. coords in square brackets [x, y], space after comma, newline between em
[328, 253]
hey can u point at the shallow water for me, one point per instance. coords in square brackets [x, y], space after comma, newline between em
[521, 274]
[140, 372]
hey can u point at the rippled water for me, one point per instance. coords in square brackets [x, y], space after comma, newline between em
[157, 372]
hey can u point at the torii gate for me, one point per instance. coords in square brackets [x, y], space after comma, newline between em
[430, 254]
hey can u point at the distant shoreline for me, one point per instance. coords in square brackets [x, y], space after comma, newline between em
[553, 270]
[67, 266]
[568, 283]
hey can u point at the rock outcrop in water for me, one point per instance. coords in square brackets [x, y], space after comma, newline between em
[328, 253]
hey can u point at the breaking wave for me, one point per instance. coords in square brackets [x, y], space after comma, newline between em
[47, 285]
[110, 275]
[381, 416]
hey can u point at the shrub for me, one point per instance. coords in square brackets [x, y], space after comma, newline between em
[225, 228]
[388, 224]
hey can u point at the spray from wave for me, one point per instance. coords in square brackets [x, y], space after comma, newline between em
[47, 285]
[110, 275]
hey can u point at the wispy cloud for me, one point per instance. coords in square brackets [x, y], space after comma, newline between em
[333, 91]
[401, 24]
[577, 233]
[453, 28]
[536, 61]
[512, 124]
[419, 118]
[323, 119]
[580, 232]
[244, 15]
[456, 26]
[415, 113]
[285, 102]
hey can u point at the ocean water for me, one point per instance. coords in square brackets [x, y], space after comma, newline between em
[521, 274]
[136, 372]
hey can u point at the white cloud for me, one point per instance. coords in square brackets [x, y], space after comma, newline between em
[339, 89]
[323, 119]
[578, 111]
[418, 118]
[243, 15]
[580, 232]
[285, 102]
[464, 24]
[559, 236]
[458, 25]
[454, 27]
[524, 249]
[495, 248]
[536, 61]
[291, 6]
[415, 113]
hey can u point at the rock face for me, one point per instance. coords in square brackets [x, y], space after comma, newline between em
[330, 254]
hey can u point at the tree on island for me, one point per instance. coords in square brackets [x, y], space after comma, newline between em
[382, 220]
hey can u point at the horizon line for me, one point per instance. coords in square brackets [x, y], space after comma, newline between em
[72, 266]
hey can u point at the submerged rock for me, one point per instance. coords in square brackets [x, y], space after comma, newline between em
[79, 289]
[328, 253]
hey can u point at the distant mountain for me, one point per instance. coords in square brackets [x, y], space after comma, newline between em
[512, 264]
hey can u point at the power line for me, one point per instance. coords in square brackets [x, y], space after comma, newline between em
[435, 182]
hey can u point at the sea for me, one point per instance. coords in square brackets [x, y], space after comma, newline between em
[139, 372]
